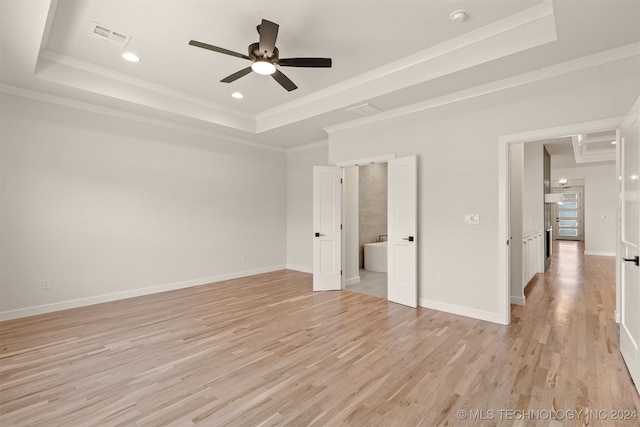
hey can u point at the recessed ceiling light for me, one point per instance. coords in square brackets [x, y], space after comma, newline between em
[458, 16]
[130, 56]
[237, 95]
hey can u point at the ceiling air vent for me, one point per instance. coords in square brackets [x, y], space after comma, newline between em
[107, 35]
[364, 110]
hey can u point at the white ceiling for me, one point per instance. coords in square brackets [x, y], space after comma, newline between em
[587, 149]
[391, 54]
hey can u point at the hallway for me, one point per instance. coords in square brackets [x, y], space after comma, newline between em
[572, 342]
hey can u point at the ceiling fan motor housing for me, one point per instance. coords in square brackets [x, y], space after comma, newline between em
[254, 53]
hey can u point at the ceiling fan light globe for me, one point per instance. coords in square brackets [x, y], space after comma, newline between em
[263, 67]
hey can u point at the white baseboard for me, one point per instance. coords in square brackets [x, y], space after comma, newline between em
[599, 253]
[517, 300]
[461, 311]
[98, 299]
[352, 280]
[616, 316]
[300, 268]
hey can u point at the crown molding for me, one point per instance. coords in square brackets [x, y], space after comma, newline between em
[562, 131]
[601, 58]
[93, 108]
[527, 29]
[633, 116]
[582, 156]
[523, 30]
[517, 20]
[72, 62]
[309, 146]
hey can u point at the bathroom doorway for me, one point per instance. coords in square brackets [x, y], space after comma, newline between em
[366, 186]
[336, 227]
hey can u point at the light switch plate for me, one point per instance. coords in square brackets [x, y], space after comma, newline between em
[472, 219]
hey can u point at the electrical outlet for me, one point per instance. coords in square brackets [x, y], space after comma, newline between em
[46, 285]
[438, 281]
[244, 258]
[472, 219]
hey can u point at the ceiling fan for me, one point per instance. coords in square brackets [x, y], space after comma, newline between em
[265, 56]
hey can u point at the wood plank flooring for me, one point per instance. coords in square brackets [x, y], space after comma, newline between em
[266, 350]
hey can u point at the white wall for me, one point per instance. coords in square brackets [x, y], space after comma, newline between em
[533, 195]
[516, 173]
[600, 205]
[300, 205]
[457, 148]
[105, 208]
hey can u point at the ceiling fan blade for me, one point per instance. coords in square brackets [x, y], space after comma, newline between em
[217, 49]
[268, 35]
[235, 76]
[284, 81]
[305, 62]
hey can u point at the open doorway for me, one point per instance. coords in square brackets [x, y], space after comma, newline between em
[549, 202]
[601, 200]
[334, 227]
[365, 192]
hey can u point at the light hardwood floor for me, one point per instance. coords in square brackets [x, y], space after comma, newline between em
[266, 350]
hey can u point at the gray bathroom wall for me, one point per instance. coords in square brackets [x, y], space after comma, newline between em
[372, 204]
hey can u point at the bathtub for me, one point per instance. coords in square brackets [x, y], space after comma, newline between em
[375, 257]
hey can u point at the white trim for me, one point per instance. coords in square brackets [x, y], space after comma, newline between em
[72, 62]
[461, 311]
[51, 13]
[352, 280]
[633, 115]
[616, 316]
[300, 268]
[600, 253]
[561, 131]
[98, 299]
[496, 86]
[365, 161]
[504, 239]
[503, 191]
[535, 22]
[93, 108]
[309, 146]
[518, 300]
[517, 20]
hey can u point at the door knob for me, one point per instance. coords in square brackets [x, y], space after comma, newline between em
[410, 238]
[318, 234]
[635, 260]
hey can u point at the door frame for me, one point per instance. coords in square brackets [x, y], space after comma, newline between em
[504, 142]
[358, 162]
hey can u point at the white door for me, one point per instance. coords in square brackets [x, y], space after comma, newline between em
[629, 143]
[327, 214]
[402, 231]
